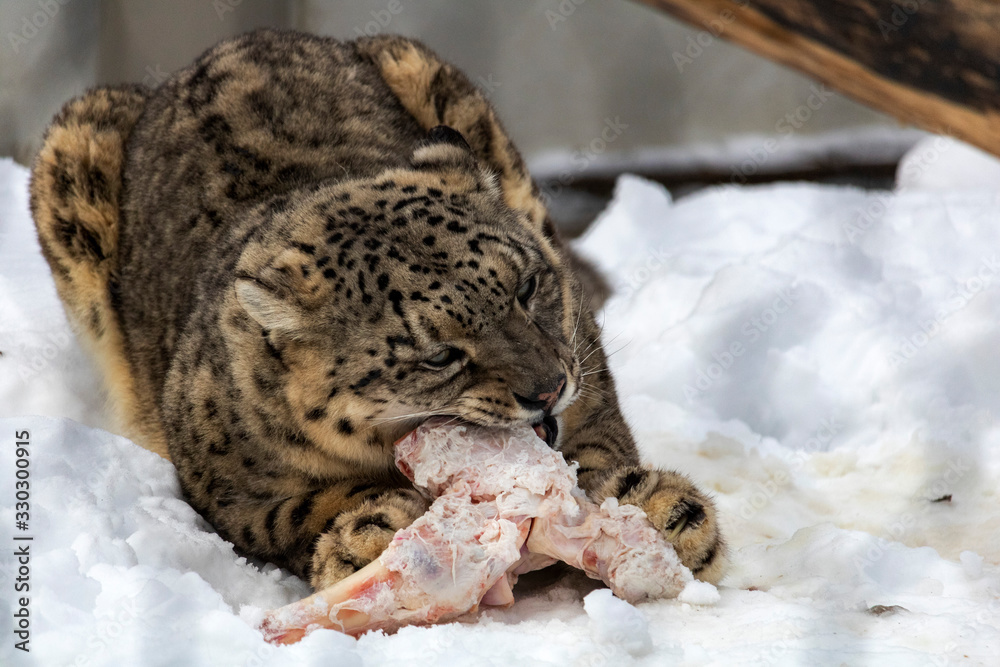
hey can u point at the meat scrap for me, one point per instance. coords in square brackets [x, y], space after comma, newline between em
[505, 504]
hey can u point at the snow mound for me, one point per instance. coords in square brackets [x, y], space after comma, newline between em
[699, 592]
[822, 359]
[617, 622]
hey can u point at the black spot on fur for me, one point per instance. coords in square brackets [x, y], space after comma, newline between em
[379, 520]
[98, 188]
[217, 449]
[403, 203]
[316, 414]
[707, 559]
[304, 508]
[396, 298]
[367, 379]
[62, 181]
[298, 440]
[393, 341]
[629, 482]
[345, 427]
[95, 322]
[278, 204]
[359, 488]
[78, 239]
[269, 523]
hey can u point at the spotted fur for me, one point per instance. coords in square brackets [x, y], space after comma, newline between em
[296, 249]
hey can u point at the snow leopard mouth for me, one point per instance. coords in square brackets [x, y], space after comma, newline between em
[548, 430]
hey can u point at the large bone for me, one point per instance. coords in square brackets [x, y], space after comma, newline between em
[505, 504]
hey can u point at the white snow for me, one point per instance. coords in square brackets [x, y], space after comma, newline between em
[699, 592]
[615, 621]
[822, 359]
[955, 166]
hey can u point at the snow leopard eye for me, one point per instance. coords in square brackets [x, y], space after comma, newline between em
[527, 290]
[444, 358]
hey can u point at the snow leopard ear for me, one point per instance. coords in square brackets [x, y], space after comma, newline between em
[443, 148]
[442, 134]
[268, 308]
[446, 149]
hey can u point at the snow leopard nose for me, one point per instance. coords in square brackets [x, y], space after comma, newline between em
[543, 400]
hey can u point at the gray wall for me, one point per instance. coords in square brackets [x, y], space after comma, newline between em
[556, 70]
[47, 54]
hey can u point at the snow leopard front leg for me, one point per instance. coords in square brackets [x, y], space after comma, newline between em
[597, 437]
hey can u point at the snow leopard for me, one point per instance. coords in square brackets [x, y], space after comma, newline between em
[290, 253]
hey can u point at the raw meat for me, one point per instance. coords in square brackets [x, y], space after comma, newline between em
[505, 504]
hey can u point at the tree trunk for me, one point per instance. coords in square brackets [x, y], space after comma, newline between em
[932, 63]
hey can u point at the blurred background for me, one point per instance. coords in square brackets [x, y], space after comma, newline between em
[587, 89]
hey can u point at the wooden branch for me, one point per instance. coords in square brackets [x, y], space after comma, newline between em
[932, 63]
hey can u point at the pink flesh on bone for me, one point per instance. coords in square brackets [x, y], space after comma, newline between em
[505, 504]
